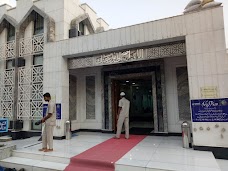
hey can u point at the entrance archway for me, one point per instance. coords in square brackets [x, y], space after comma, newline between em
[114, 78]
[139, 89]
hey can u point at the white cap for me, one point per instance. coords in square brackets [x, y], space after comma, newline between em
[122, 94]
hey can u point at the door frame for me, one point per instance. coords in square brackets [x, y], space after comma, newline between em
[115, 89]
[114, 94]
[156, 66]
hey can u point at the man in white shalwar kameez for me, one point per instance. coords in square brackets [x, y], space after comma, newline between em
[123, 116]
[49, 123]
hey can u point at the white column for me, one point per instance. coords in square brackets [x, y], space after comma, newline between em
[207, 67]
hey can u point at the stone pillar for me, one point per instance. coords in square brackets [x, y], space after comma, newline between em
[207, 68]
[56, 82]
[16, 80]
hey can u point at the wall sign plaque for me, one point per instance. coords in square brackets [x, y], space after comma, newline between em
[209, 92]
[210, 110]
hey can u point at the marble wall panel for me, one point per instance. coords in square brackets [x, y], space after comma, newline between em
[183, 94]
[73, 98]
[90, 97]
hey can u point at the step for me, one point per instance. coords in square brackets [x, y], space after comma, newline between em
[92, 163]
[5, 138]
[32, 164]
[49, 157]
[6, 151]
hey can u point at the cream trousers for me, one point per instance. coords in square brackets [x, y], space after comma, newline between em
[47, 136]
[120, 122]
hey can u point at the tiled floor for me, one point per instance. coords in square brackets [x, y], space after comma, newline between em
[152, 154]
[166, 153]
[223, 164]
[24, 142]
[69, 148]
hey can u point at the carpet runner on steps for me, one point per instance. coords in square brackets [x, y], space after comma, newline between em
[103, 156]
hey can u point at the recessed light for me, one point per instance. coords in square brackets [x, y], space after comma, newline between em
[127, 81]
[133, 83]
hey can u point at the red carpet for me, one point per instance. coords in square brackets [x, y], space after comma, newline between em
[103, 156]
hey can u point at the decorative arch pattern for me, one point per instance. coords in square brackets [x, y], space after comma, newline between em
[27, 19]
[86, 21]
[7, 19]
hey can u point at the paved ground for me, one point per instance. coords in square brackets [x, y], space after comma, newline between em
[223, 164]
[152, 153]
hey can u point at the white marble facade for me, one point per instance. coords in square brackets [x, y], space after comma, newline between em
[57, 15]
[206, 59]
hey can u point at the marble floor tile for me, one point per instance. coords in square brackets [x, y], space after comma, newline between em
[186, 160]
[132, 162]
[21, 161]
[177, 167]
[223, 164]
[51, 165]
[151, 154]
[184, 152]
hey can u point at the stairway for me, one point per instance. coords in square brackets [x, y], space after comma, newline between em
[35, 161]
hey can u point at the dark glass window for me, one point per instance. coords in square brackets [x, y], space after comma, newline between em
[38, 60]
[9, 64]
[10, 32]
[81, 29]
[38, 24]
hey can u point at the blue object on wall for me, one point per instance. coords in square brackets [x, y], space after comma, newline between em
[210, 110]
[58, 111]
[4, 123]
[1, 168]
[45, 107]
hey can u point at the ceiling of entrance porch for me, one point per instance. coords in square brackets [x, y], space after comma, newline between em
[132, 77]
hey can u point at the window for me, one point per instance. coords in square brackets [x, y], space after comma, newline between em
[38, 24]
[81, 29]
[9, 64]
[35, 127]
[38, 60]
[10, 32]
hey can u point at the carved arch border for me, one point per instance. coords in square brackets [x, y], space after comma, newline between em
[86, 20]
[27, 19]
[3, 21]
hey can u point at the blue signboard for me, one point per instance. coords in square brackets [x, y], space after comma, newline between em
[58, 111]
[45, 107]
[4, 125]
[209, 110]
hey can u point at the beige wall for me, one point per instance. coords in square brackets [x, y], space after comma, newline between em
[82, 122]
[174, 122]
[225, 6]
